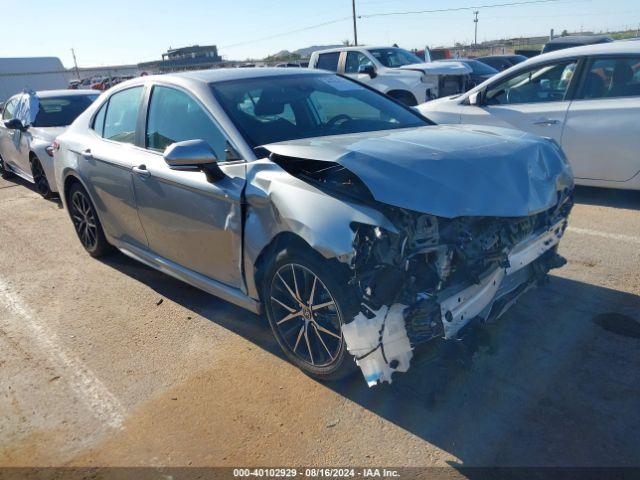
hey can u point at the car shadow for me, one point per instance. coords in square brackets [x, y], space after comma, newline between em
[556, 382]
[608, 197]
[16, 181]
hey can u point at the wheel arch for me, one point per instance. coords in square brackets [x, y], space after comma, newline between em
[69, 178]
[278, 243]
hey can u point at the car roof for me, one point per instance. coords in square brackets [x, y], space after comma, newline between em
[226, 74]
[218, 75]
[506, 55]
[462, 59]
[65, 93]
[359, 47]
[611, 48]
[579, 39]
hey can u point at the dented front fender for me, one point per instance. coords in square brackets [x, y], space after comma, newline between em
[276, 202]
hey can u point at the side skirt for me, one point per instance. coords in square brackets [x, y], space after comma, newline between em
[225, 292]
[19, 173]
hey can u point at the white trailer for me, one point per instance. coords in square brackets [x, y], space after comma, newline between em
[34, 73]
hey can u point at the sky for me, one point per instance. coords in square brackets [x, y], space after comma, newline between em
[131, 31]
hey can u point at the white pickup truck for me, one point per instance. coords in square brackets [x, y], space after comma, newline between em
[395, 71]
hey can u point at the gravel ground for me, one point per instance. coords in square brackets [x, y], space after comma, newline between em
[111, 363]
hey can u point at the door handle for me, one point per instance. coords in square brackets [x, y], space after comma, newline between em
[547, 122]
[86, 154]
[141, 171]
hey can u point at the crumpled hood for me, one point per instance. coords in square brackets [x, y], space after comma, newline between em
[447, 170]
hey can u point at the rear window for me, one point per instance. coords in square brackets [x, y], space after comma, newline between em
[328, 61]
[122, 115]
[61, 111]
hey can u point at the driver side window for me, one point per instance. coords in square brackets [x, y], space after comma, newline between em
[356, 60]
[546, 83]
[174, 116]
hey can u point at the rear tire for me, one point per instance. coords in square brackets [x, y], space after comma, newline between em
[4, 172]
[40, 178]
[307, 300]
[86, 222]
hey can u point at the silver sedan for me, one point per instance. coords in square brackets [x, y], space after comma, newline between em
[30, 123]
[356, 225]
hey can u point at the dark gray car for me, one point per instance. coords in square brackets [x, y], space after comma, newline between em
[356, 225]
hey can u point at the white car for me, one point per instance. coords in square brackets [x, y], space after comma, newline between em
[30, 123]
[586, 98]
[395, 72]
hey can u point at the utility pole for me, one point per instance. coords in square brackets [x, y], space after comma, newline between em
[75, 64]
[475, 21]
[355, 26]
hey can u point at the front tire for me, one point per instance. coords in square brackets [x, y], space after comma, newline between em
[40, 178]
[307, 300]
[4, 172]
[86, 222]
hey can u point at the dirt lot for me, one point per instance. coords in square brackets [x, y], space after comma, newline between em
[111, 363]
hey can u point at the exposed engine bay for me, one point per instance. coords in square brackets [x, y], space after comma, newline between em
[433, 276]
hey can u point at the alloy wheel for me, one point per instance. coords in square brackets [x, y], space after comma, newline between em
[39, 178]
[84, 220]
[306, 315]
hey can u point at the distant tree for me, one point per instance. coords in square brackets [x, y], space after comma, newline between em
[346, 42]
[564, 33]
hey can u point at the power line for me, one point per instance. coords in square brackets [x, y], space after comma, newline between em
[457, 9]
[290, 32]
[385, 14]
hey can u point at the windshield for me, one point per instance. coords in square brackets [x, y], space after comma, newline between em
[274, 109]
[394, 57]
[61, 111]
[480, 68]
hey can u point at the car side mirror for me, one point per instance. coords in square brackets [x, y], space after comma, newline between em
[194, 155]
[15, 124]
[368, 70]
[475, 98]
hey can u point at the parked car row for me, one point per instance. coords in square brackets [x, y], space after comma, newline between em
[395, 71]
[98, 83]
[30, 124]
[406, 77]
[389, 69]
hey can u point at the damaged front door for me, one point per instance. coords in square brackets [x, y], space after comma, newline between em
[189, 218]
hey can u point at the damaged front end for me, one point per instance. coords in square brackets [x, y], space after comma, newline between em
[437, 275]
[473, 217]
